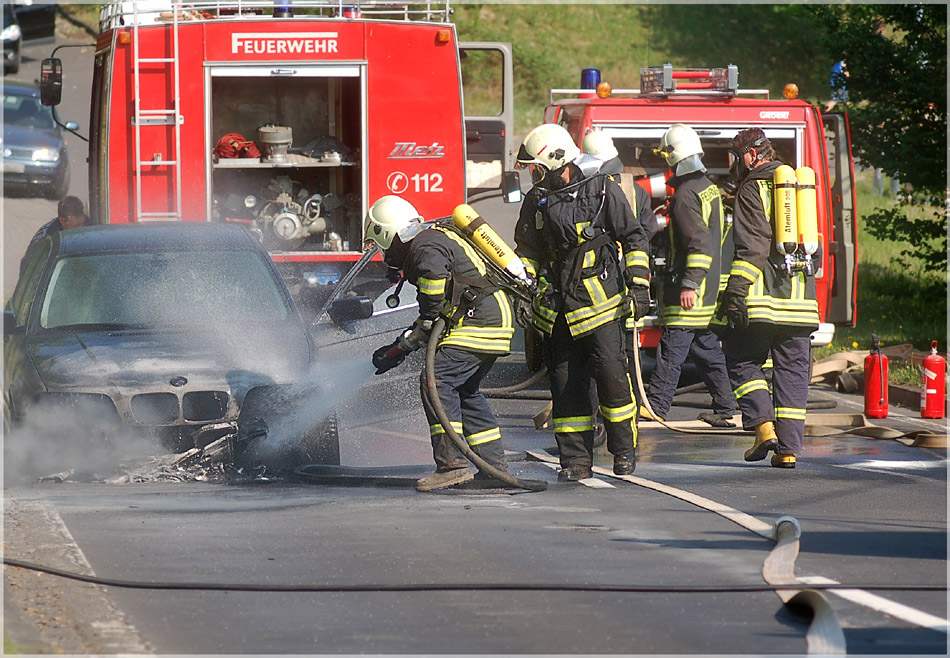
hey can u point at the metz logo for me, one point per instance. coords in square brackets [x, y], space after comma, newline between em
[286, 43]
[409, 150]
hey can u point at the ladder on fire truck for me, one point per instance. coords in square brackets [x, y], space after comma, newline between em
[157, 117]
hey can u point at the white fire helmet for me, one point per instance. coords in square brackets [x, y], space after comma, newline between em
[391, 216]
[600, 145]
[678, 143]
[549, 146]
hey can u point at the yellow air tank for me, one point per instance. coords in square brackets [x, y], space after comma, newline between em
[786, 222]
[806, 198]
[489, 243]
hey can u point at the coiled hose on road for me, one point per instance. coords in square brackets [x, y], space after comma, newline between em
[432, 393]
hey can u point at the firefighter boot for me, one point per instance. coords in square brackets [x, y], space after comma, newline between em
[625, 463]
[765, 442]
[783, 461]
[574, 472]
[444, 478]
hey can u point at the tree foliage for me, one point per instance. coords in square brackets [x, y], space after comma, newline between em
[771, 45]
[896, 57]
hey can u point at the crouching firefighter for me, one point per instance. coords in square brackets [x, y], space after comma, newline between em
[567, 235]
[768, 307]
[449, 276]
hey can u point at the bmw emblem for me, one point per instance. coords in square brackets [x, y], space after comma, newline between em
[178, 381]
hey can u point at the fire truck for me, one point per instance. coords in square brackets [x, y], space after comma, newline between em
[710, 101]
[291, 118]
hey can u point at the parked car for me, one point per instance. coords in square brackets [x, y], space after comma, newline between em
[183, 332]
[12, 36]
[37, 20]
[35, 152]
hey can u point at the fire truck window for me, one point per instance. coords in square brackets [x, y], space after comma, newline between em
[483, 81]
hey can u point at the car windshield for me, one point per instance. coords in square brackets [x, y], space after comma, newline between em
[158, 289]
[22, 110]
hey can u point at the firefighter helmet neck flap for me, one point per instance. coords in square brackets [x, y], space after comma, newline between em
[600, 155]
[547, 150]
[389, 217]
[682, 150]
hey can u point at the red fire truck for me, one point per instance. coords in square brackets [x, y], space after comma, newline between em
[290, 118]
[710, 101]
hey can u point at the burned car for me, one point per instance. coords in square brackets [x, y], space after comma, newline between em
[181, 331]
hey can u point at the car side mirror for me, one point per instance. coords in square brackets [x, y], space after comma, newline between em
[511, 187]
[51, 81]
[10, 326]
[350, 308]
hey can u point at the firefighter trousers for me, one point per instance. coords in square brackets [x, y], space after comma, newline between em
[458, 375]
[572, 362]
[676, 344]
[790, 348]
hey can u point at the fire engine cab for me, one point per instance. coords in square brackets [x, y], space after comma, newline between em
[709, 101]
[290, 118]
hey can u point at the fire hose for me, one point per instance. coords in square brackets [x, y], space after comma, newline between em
[432, 394]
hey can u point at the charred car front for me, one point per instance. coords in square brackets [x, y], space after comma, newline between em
[182, 331]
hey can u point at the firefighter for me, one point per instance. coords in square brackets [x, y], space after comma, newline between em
[69, 215]
[567, 235]
[600, 155]
[765, 310]
[449, 277]
[691, 283]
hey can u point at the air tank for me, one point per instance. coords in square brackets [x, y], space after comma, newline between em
[489, 243]
[786, 221]
[806, 199]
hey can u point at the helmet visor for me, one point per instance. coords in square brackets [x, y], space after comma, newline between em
[411, 230]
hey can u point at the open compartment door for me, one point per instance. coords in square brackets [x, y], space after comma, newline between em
[843, 300]
[486, 71]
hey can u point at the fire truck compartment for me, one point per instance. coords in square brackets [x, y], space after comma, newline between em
[309, 196]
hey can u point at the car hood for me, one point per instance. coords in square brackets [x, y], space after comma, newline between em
[99, 361]
[34, 138]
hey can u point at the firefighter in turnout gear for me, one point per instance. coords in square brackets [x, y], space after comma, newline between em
[568, 234]
[765, 310]
[449, 276]
[600, 156]
[691, 283]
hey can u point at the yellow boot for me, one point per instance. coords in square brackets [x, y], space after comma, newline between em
[646, 415]
[783, 461]
[765, 442]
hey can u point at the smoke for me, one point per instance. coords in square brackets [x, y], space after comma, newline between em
[297, 413]
[53, 442]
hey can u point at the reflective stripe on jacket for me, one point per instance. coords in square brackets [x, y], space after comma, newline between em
[440, 264]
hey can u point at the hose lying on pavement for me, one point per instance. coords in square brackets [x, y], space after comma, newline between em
[432, 393]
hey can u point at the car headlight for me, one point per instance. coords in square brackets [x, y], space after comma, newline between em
[45, 155]
[10, 33]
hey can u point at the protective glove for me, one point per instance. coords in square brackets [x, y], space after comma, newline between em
[641, 301]
[415, 336]
[732, 306]
[389, 356]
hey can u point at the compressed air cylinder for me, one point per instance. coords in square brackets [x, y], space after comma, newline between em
[490, 243]
[786, 221]
[806, 200]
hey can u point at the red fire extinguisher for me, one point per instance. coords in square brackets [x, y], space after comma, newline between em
[933, 390]
[875, 381]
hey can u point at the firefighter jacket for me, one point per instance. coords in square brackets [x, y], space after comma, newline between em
[772, 295]
[696, 233]
[569, 240]
[443, 266]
